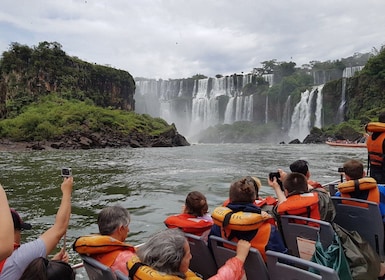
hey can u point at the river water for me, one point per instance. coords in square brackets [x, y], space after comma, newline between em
[151, 183]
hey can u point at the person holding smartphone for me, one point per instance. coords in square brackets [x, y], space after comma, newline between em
[13, 267]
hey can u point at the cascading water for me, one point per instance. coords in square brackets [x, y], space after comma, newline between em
[347, 73]
[301, 120]
[194, 105]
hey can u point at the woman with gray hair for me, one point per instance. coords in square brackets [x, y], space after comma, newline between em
[168, 252]
[109, 246]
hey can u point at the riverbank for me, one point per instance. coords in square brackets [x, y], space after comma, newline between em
[87, 141]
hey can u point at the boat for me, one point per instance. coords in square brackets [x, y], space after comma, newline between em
[346, 144]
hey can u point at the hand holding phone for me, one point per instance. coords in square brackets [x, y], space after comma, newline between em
[66, 172]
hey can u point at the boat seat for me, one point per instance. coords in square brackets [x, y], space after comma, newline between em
[286, 267]
[366, 220]
[292, 232]
[202, 261]
[254, 265]
[96, 270]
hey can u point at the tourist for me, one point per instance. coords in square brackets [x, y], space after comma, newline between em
[266, 203]
[6, 228]
[260, 229]
[194, 218]
[302, 166]
[168, 252]
[14, 265]
[43, 269]
[109, 247]
[367, 186]
[296, 199]
[376, 149]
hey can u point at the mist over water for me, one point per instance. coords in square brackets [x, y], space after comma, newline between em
[151, 183]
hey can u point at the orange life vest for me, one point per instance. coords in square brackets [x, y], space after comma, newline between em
[260, 202]
[188, 223]
[375, 149]
[259, 241]
[230, 221]
[366, 187]
[103, 248]
[2, 262]
[305, 205]
[139, 271]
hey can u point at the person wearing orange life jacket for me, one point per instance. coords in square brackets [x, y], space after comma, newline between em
[266, 204]
[194, 218]
[108, 247]
[302, 166]
[265, 236]
[357, 185]
[166, 255]
[375, 144]
[296, 199]
[13, 267]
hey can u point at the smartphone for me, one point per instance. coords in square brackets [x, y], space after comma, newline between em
[66, 172]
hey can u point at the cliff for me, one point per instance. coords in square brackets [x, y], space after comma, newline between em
[27, 74]
[50, 100]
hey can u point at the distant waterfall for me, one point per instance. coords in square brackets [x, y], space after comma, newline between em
[204, 106]
[303, 119]
[266, 109]
[318, 111]
[194, 105]
[347, 73]
[269, 78]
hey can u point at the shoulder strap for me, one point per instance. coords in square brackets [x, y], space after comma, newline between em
[134, 269]
[356, 187]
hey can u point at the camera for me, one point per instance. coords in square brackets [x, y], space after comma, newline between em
[274, 174]
[341, 169]
[66, 172]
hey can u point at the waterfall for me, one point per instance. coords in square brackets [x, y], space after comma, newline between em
[194, 105]
[286, 114]
[229, 113]
[347, 73]
[301, 120]
[341, 107]
[318, 111]
[269, 78]
[266, 109]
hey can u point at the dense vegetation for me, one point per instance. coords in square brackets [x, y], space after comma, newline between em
[48, 95]
[27, 74]
[52, 117]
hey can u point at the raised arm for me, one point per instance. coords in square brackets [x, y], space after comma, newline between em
[277, 189]
[53, 235]
[6, 228]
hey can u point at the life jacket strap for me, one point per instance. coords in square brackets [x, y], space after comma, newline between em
[132, 271]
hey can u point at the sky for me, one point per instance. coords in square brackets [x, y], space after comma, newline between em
[171, 39]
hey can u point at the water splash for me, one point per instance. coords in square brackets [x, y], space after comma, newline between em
[301, 120]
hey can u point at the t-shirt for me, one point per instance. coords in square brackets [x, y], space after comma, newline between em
[19, 260]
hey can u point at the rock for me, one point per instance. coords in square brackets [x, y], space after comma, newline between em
[295, 141]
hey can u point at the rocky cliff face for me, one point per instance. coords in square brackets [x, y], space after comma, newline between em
[27, 74]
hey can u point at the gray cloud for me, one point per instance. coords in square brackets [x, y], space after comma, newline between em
[180, 38]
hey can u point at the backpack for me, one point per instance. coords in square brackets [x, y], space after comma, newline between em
[363, 260]
[325, 206]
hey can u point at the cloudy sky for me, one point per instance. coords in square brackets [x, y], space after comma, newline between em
[180, 38]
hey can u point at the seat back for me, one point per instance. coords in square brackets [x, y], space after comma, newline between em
[202, 261]
[367, 221]
[281, 266]
[254, 265]
[96, 270]
[295, 233]
[121, 276]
